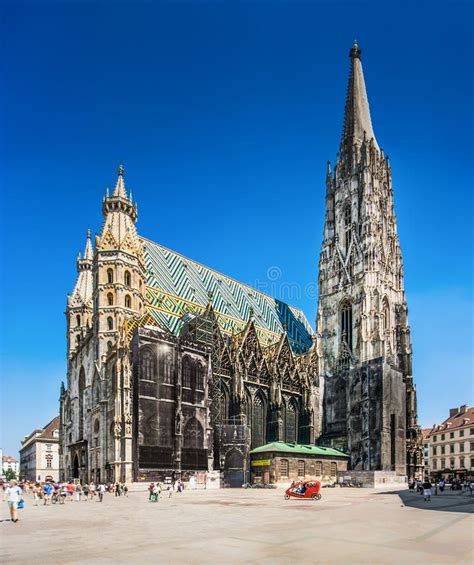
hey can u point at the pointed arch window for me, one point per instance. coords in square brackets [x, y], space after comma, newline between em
[259, 421]
[199, 377]
[385, 314]
[346, 324]
[291, 422]
[128, 301]
[193, 435]
[167, 368]
[110, 276]
[110, 299]
[187, 368]
[148, 365]
[128, 278]
[110, 323]
[78, 320]
[347, 225]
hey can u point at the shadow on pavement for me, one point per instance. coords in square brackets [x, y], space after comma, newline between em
[445, 502]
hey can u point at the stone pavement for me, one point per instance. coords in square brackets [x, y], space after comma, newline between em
[245, 526]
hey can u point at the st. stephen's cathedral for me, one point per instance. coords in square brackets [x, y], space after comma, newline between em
[175, 369]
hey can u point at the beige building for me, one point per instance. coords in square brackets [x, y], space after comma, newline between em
[452, 445]
[39, 456]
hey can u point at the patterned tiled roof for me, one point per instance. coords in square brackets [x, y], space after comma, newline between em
[177, 286]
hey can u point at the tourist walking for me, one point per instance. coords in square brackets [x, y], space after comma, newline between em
[151, 486]
[78, 492]
[101, 490]
[427, 490]
[92, 490]
[48, 490]
[36, 494]
[12, 494]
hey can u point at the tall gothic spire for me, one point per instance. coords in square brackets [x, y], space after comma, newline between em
[88, 254]
[357, 122]
[120, 186]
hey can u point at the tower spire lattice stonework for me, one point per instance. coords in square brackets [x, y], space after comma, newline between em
[370, 401]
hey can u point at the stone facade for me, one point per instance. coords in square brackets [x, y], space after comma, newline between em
[369, 395]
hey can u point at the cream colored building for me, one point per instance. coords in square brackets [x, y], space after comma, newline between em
[39, 455]
[452, 445]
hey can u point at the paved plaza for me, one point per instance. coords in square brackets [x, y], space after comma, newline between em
[245, 526]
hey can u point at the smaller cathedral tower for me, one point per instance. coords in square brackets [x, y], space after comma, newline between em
[79, 302]
[119, 268]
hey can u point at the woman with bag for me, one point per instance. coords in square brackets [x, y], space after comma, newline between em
[13, 495]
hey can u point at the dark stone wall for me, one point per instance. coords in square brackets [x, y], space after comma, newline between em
[171, 428]
[365, 415]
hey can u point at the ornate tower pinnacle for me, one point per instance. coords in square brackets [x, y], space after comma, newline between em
[357, 121]
[119, 201]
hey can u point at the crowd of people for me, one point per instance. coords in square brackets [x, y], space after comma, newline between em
[50, 493]
[426, 487]
[155, 489]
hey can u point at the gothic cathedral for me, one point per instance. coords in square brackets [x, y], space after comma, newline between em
[175, 369]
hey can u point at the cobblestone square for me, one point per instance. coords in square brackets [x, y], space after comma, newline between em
[245, 526]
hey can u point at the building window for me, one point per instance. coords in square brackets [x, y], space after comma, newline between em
[434, 439]
[319, 468]
[333, 469]
[472, 432]
[461, 462]
[443, 449]
[167, 364]
[434, 449]
[472, 462]
[461, 447]
[127, 278]
[128, 301]
[472, 445]
[49, 447]
[78, 320]
[301, 469]
[110, 299]
[461, 433]
[451, 435]
[186, 373]
[442, 437]
[346, 324]
[199, 377]
[284, 467]
[435, 464]
[259, 421]
[110, 323]
[451, 448]
[291, 424]
[148, 365]
[451, 462]
[443, 463]
[110, 276]
[347, 226]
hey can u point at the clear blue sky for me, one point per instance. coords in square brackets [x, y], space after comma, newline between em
[225, 115]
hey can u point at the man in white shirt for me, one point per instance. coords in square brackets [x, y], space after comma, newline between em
[13, 495]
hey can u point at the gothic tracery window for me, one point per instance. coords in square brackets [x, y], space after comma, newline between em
[187, 372]
[259, 421]
[110, 323]
[346, 323]
[127, 278]
[193, 436]
[199, 377]
[128, 301]
[148, 365]
[290, 421]
[347, 226]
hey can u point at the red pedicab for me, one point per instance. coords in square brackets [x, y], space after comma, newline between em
[304, 489]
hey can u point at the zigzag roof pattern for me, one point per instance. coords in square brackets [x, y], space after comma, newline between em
[177, 285]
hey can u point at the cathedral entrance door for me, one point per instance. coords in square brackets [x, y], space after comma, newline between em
[75, 467]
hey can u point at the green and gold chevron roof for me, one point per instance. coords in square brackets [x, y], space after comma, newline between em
[177, 286]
